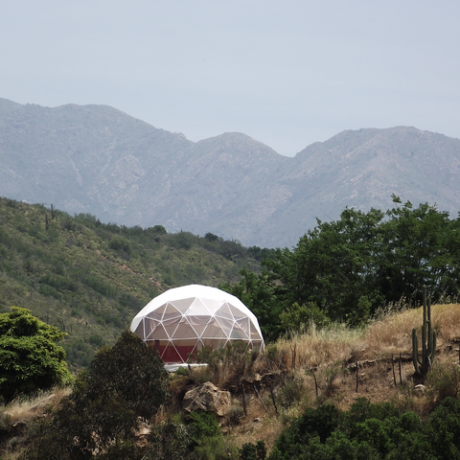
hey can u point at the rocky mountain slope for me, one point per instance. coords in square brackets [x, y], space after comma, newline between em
[99, 160]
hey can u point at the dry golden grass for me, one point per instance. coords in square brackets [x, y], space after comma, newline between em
[26, 408]
[319, 347]
[379, 340]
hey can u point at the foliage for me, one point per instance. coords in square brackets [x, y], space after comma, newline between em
[229, 364]
[257, 292]
[445, 380]
[122, 384]
[296, 317]
[29, 357]
[292, 390]
[168, 440]
[250, 451]
[90, 279]
[350, 267]
[371, 431]
[203, 425]
[208, 442]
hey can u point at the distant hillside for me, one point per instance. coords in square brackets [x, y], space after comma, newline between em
[91, 279]
[99, 160]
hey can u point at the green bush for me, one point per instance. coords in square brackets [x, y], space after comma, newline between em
[123, 384]
[445, 380]
[29, 357]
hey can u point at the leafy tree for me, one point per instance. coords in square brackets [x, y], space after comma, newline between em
[257, 292]
[351, 266]
[123, 383]
[420, 247]
[29, 357]
[211, 237]
[297, 316]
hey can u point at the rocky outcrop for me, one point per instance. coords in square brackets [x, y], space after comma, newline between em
[207, 397]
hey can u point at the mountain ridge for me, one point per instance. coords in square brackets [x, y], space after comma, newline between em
[99, 160]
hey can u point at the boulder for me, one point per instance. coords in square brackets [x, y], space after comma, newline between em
[209, 398]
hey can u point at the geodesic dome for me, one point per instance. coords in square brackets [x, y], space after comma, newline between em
[183, 320]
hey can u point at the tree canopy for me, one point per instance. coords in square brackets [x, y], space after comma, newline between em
[29, 357]
[122, 384]
[350, 267]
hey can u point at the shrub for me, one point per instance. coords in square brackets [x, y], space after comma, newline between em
[250, 451]
[123, 383]
[29, 357]
[445, 380]
[292, 390]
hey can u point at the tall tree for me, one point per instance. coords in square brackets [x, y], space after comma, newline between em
[122, 384]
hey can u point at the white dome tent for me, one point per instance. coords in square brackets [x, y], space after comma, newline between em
[183, 320]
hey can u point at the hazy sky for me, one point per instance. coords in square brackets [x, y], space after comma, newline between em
[287, 73]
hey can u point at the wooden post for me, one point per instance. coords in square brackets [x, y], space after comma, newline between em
[244, 401]
[393, 367]
[273, 397]
[293, 356]
[357, 376]
[316, 383]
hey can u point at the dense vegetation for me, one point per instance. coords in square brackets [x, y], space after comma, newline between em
[90, 279]
[345, 270]
[372, 432]
[30, 359]
[122, 384]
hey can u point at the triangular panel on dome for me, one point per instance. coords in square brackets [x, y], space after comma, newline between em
[199, 308]
[237, 313]
[182, 304]
[170, 325]
[171, 355]
[225, 324]
[212, 304]
[199, 323]
[244, 325]
[157, 313]
[214, 331]
[150, 325]
[184, 347]
[140, 330]
[184, 330]
[238, 333]
[171, 312]
[224, 312]
[160, 334]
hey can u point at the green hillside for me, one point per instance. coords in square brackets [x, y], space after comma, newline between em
[90, 279]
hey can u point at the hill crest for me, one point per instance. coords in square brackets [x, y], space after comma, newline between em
[100, 160]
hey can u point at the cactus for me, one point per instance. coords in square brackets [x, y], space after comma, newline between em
[423, 366]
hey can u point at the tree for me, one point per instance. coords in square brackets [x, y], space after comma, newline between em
[122, 384]
[420, 247]
[29, 357]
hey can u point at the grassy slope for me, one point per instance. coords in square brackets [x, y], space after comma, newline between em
[333, 355]
[90, 279]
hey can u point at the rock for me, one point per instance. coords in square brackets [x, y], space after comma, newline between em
[419, 390]
[209, 398]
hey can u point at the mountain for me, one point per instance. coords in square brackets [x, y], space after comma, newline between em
[98, 160]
